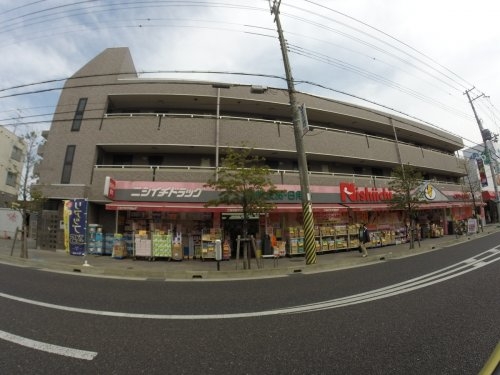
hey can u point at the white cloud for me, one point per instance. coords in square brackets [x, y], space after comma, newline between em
[455, 35]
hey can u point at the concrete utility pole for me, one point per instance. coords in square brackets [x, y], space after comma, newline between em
[307, 213]
[484, 136]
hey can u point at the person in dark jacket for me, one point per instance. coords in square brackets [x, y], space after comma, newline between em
[364, 239]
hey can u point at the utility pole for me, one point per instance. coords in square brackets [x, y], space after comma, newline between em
[307, 212]
[486, 136]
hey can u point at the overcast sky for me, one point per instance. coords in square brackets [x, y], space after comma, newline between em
[416, 58]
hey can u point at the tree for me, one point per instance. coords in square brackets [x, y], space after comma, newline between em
[244, 180]
[406, 193]
[29, 200]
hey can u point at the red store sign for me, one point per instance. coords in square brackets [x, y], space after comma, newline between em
[349, 192]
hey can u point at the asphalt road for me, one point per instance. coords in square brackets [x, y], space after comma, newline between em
[435, 313]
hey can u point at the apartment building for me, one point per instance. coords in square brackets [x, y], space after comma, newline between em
[140, 150]
[12, 155]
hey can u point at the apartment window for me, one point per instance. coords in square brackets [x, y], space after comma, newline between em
[17, 154]
[80, 109]
[377, 171]
[68, 164]
[11, 179]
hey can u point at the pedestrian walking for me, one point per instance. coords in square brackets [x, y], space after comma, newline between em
[363, 240]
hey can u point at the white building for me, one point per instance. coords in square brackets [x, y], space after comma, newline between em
[12, 155]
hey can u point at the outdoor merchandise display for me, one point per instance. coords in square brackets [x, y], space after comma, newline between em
[196, 236]
[95, 244]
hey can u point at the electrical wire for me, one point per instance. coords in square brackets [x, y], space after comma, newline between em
[128, 5]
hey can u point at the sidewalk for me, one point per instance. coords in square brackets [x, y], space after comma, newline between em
[107, 266]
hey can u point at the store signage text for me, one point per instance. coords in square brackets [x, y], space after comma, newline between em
[349, 192]
[461, 196]
[287, 196]
[167, 192]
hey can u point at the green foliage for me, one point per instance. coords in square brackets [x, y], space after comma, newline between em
[243, 180]
[407, 194]
[405, 187]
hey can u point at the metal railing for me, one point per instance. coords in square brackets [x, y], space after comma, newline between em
[255, 119]
[346, 176]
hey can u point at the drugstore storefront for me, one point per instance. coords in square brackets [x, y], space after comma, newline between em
[146, 208]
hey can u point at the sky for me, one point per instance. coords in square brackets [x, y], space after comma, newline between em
[409, 58]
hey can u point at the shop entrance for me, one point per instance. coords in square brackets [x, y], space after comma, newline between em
[233, 227]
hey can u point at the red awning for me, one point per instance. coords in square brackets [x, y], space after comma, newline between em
[369, 206]
[165, 206]
[200, 207]
[388, 207]
[433, 205]
[488, 195]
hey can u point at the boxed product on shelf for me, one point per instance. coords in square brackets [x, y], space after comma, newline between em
[340, 243]
[324, 245]
[162, 245]
[353, 229]
[331, 244]
[119, 247]
[108, 243]
[300, 245]
[340, 230]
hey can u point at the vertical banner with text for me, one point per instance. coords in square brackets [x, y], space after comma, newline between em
[77, 226]
[67, 211]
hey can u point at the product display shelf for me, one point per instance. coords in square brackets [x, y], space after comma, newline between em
[95, 243]
[295, 241]
[161, 246]
[208, 243]
[385, 235]
[325, 235]
[337, 237]
[399, 235]
[108, 240]
[142, 246]
[354, 235]
[119, 247]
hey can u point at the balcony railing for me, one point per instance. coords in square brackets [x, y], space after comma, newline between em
[280, 176]
[254, 119]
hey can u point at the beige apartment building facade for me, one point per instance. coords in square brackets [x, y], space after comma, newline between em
[140, 150]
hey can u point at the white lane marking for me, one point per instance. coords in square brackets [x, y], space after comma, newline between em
[424, 280]
[49, 348]
[432, 278]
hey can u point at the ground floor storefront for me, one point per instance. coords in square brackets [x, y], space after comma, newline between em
[171, 220]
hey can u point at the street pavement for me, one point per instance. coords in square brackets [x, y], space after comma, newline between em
[195, 269]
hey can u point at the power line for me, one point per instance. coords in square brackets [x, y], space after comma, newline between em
[87, 7]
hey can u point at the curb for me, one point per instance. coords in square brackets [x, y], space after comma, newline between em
[80, 266]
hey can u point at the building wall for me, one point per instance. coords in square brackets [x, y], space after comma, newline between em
[8, 142]
[343, 134]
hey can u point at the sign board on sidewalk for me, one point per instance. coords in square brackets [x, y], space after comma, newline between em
[471, 226]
